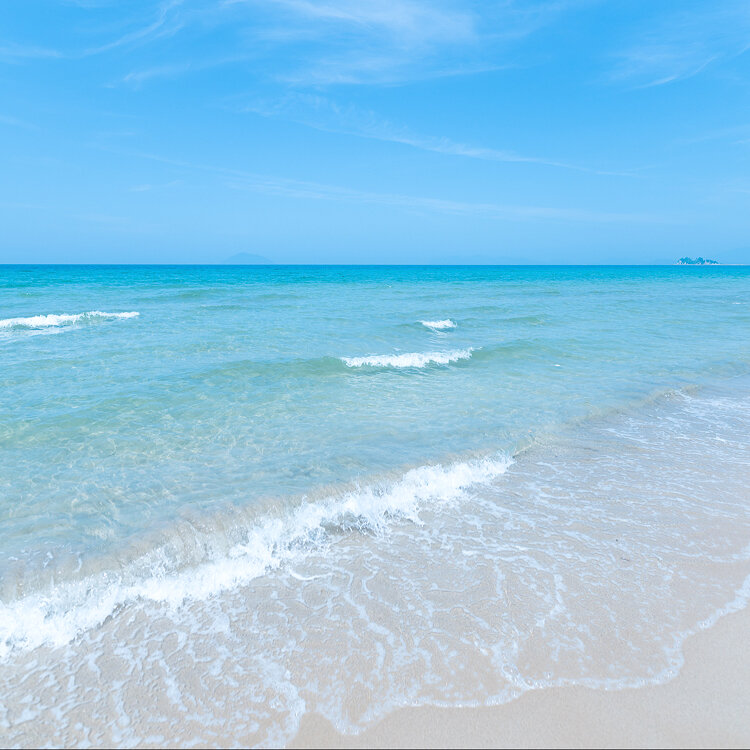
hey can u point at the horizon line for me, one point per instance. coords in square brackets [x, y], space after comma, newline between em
[376, 265]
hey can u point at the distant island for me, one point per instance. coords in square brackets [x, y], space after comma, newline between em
[697, 262]
[247, 259]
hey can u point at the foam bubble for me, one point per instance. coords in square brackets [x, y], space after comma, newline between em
[56, 617]
[413, 359]
[438, 325]
[52, 321]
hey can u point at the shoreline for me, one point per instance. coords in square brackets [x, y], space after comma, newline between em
[215, 514]
[705, 705]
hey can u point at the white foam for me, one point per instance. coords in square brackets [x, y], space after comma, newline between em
[51, 321]
[438, 325]
[56, 617]
[413, 359]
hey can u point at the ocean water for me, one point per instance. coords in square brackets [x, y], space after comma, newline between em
[252, 492]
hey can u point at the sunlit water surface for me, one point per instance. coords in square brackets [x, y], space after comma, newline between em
[251, 492]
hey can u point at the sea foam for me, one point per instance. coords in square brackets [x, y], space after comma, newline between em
[412, 359]
[438, 325]
[52, 321]
[57, 616]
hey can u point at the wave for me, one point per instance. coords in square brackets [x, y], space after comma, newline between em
[414, 359]
[438, 325]
[52, 321]
[58, 615]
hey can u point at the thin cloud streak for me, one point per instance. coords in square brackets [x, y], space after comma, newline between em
[322, 114]
[317, 191]
[158, 28]
[408, 21]
[137, 78]
[682, 45]
[291, 188]
[153, 30]
[332, 42]
[12, 52]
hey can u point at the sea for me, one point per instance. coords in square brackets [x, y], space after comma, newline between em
[234, 495]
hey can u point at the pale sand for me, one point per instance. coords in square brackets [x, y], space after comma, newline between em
[706, 705]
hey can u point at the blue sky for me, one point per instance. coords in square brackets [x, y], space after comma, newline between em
[335, 131]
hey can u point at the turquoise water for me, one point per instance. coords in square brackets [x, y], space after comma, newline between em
[210, 422]
[229, 386]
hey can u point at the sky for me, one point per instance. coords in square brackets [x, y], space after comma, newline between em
[374, 131]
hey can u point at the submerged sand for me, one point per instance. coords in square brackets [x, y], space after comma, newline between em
[706, 705]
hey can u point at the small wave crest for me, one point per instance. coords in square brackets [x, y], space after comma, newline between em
[57, 616]
[438, 325]
[412, 359]
[54, 321]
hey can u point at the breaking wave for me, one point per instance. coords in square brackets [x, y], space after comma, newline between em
[58, 615]
[54, 321]
[438, 325]
[413, 359]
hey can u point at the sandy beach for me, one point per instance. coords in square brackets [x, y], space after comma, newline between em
[706, 705]
[472, 495]
[374, 373]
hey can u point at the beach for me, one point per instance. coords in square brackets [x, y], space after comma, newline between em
[374, 373]
[378, 505]
[706, 705]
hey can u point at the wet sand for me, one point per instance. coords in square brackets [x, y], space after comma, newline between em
[706, 705]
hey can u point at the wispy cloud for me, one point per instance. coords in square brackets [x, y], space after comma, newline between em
[313, 42]
[332, 41]
[165, 23]
[290, 188]
[137, 78]
[390, 41]
[12, 52]
[324, 114]
[367, 41]
[684, 44]
[410, 22]
[317, 191]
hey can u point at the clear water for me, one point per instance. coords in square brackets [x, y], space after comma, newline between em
[272, 464]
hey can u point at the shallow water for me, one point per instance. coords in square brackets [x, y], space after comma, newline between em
[346, 489]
